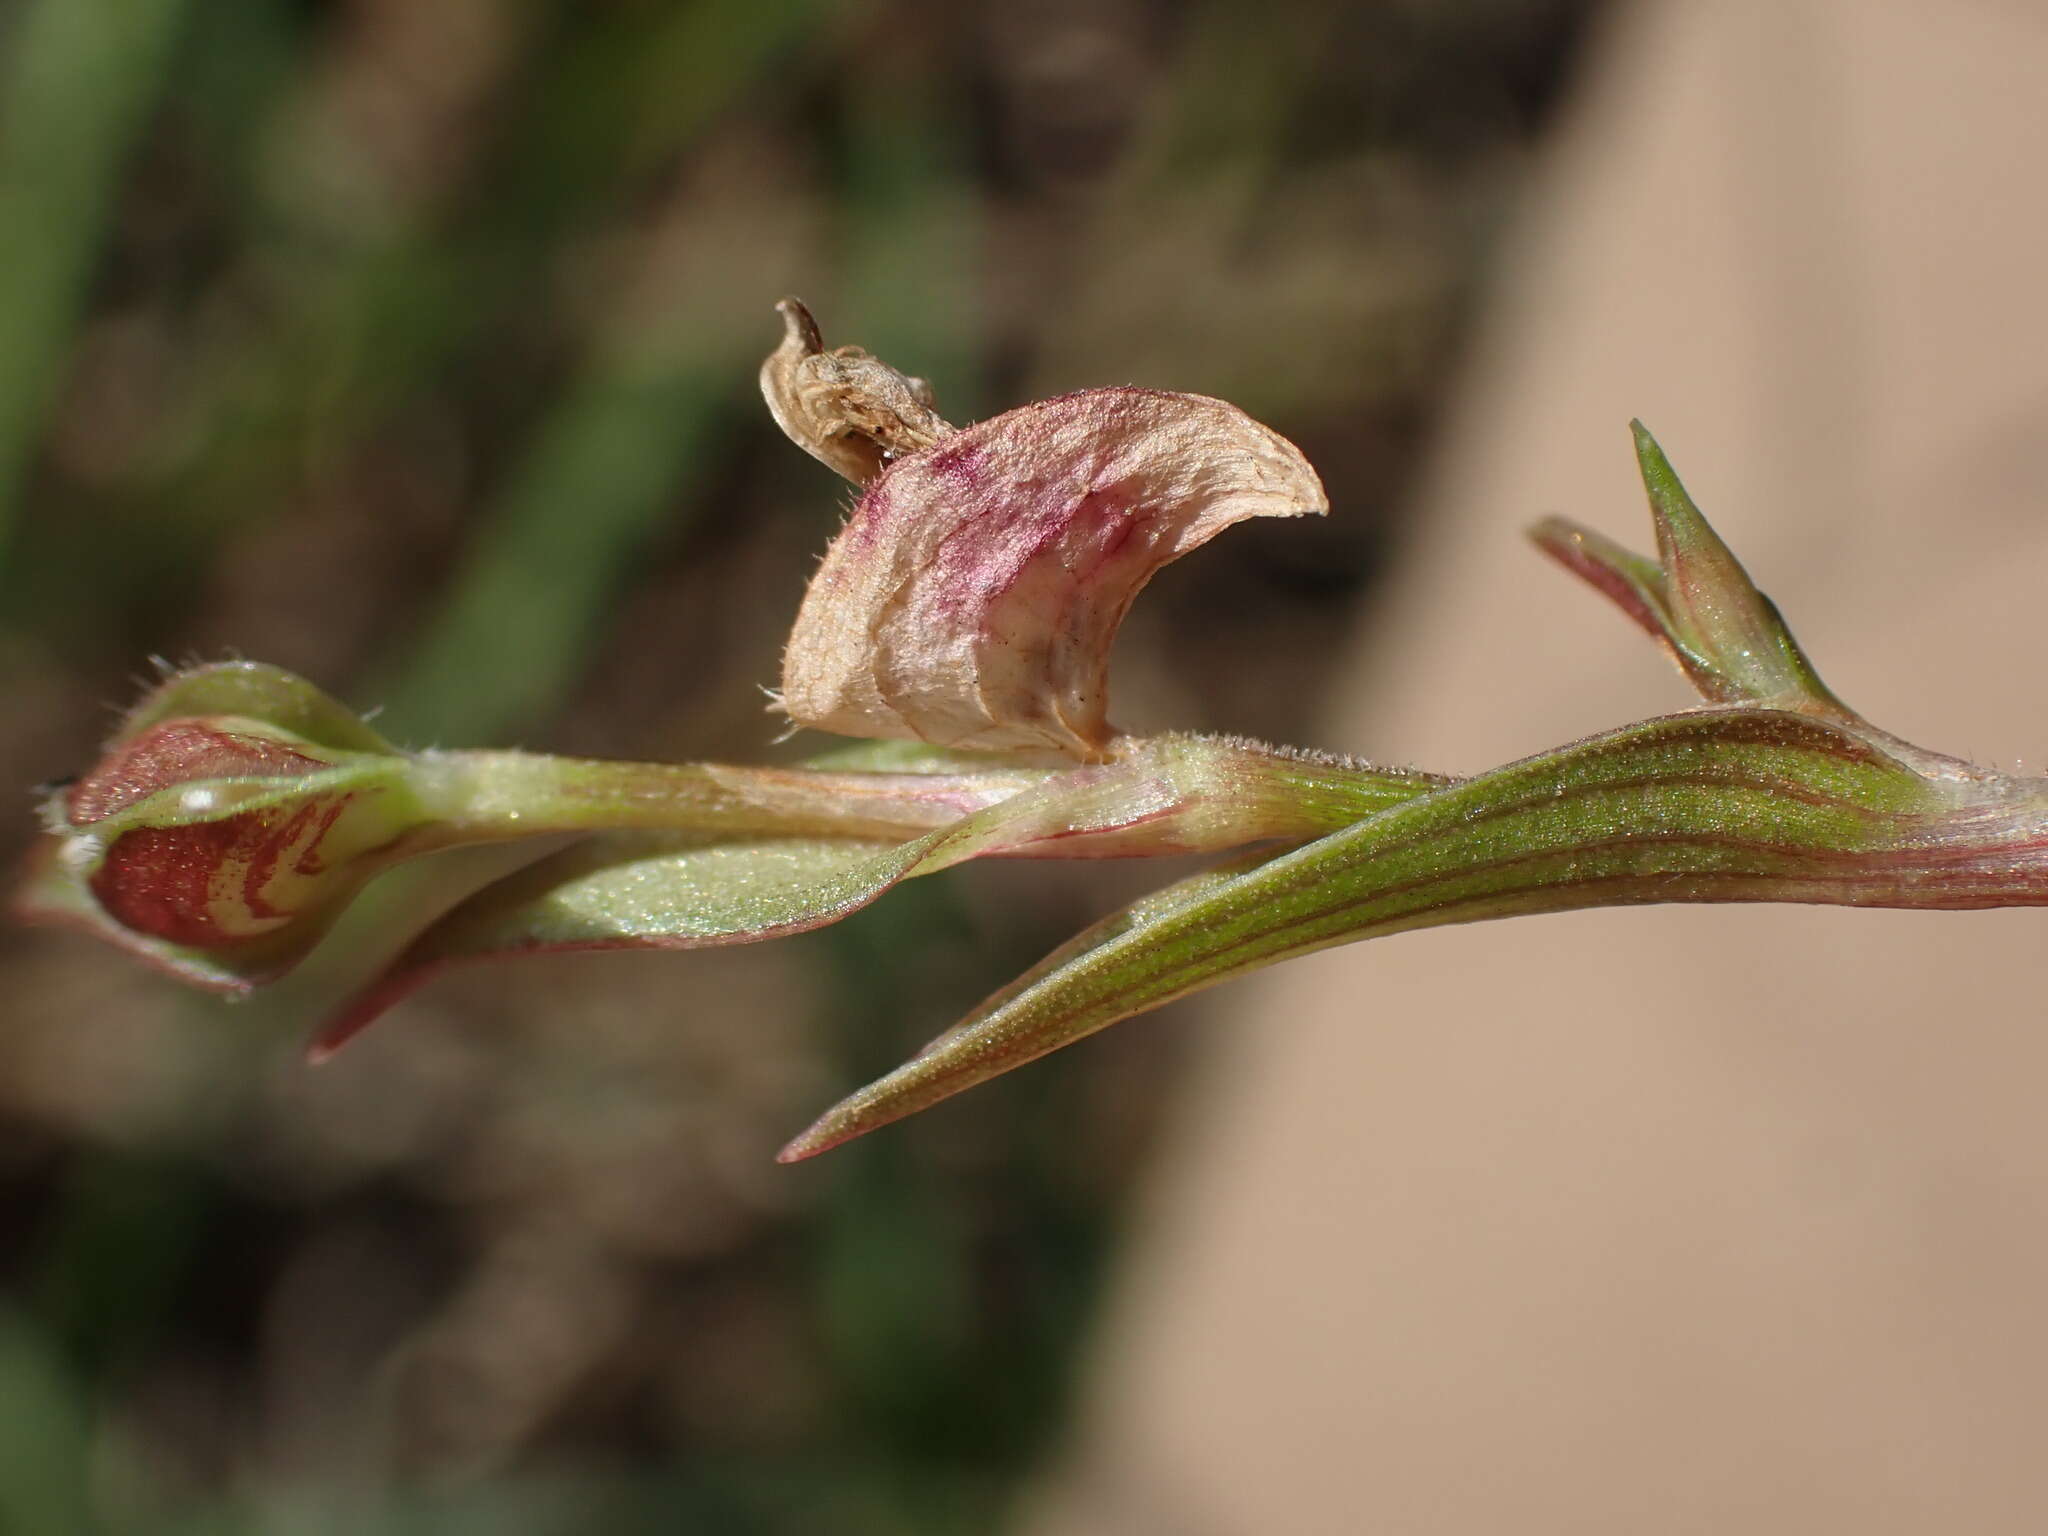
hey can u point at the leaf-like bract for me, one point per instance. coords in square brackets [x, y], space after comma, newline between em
[1717, 805]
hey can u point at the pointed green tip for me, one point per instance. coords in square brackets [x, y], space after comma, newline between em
[1658, 476]
[1682, 532]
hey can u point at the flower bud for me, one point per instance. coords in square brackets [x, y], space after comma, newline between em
[225, 826]
[222, 830]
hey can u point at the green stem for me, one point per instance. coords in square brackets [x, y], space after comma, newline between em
[488, 796]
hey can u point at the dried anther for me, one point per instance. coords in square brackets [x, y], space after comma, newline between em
[844, 408]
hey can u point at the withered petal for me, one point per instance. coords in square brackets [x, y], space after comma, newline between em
[973, 595]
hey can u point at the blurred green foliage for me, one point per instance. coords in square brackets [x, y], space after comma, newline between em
[412, 347]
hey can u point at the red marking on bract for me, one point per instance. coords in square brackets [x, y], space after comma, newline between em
[158, 880]
[178, 752]
[162, 881]
[270, 847]
[262, 862]
[309, 861]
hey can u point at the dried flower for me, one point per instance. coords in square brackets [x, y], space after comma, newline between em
[973, 595]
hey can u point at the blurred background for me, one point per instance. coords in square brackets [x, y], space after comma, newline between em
[411, 347]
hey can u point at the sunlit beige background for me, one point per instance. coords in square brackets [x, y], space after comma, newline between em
[1663, 1220]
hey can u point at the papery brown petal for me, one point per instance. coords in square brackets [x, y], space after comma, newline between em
[972, 597]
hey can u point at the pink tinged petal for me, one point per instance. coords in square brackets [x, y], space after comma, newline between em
[973, 595]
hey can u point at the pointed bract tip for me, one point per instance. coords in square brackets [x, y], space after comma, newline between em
[1694, 598]
[1556, 536]
[398, 981]
[328, 1040]
[1668, 496]
[805, 1147]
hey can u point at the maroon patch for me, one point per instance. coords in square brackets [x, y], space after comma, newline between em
[156, 880]
[161, 880]
[962, 463]
[179, 752]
